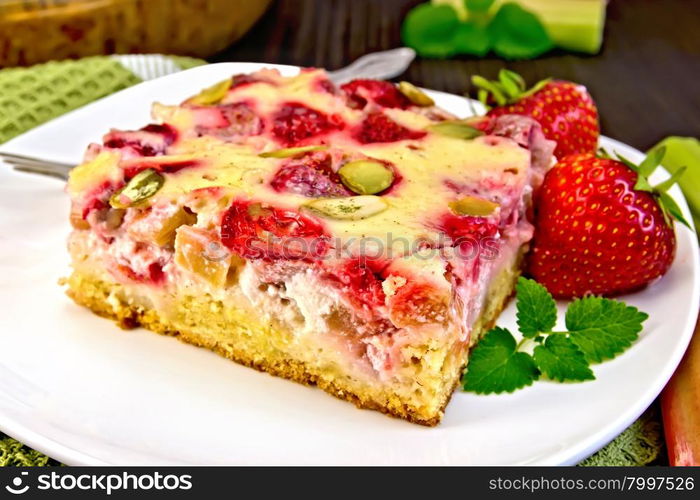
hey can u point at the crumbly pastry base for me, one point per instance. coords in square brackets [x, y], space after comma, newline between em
[201, 322]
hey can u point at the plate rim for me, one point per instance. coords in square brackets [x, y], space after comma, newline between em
[568, 455]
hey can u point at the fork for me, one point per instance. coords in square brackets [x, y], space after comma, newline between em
[377, 65]
[37, 165]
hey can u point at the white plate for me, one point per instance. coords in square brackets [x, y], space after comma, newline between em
[79, 389]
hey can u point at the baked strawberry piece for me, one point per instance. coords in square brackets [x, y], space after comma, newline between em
[358, 239]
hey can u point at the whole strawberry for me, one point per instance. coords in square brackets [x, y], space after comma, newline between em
[600, 227]
[565, 110]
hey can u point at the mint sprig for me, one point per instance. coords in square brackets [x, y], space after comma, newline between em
[517, 33]
[508, 29]
[559, 359]
[430, 29]
[603, 328]
[597, 329]
[536, 310]
[497, 366]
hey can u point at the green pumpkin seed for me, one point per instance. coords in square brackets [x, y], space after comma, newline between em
[141, 187]
[366, 176]
[415, 95]
[290, 152]
[211, 95]
[455, 128]
[471, 205]
[350, 208]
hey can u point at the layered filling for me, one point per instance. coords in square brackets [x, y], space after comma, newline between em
[362, 220]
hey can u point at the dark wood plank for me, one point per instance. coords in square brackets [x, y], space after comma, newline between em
[645, 80]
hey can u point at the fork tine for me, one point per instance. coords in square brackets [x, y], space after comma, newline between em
[12, 161]
[37, 165]
[38, 170]
[15, 157]
[52, 170]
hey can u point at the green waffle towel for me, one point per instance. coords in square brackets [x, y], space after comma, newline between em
[31, 96]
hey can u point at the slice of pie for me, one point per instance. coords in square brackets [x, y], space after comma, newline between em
[357, 238]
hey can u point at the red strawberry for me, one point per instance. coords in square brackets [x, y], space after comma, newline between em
[133, 168]
[243, 79]
[323, 84]
[382, 93]
[242, 119]
[295, 122]
[377, 127]
[361, 280]
[95, 199]
[601, 228]
[565, 110]
[151, 140]
[417, 302]
[312, 175]
[169, 133]
[470, 237]
[258, 230]
[461, 228]
[154, 274]
[227, 121]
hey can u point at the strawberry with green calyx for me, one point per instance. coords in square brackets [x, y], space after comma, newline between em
[669, 206]
[601, 228]
[565, 110]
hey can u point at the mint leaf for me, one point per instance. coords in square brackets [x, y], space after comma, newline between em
[495, 366]
[517, 33]
[537, 311]
[478, 5]
[603, 328]
[561, 360]
[472, 39]
[429, 29]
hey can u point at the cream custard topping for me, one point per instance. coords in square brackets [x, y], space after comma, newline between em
[430, 169]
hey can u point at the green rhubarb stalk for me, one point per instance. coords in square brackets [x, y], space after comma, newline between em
[572, 24]
[680, 400]
[684, 152]
[679, 405]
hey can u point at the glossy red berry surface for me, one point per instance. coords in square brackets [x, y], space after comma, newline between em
[565, 111]
[595, 233]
